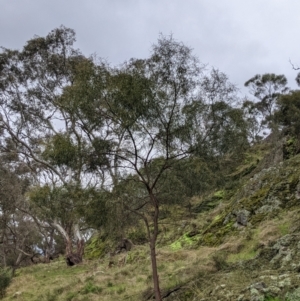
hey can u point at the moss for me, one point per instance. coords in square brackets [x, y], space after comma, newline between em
[284, 228]
[263, 216]
[183, 241]
[218, 218]
[217, 221]
[256, 199]
[176, 245]
[207, 204]
[293, 180]
[220, 194]
[290, 147]
[208, 239]
[214, 238]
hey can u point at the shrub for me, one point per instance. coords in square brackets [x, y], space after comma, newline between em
[138, 236]
[5, 279]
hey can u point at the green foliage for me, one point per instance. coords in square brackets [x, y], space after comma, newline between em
[131, 94]
[267, 88]
[95, 156]
[50, 202]
[92, 205]
[294, 295]
[110, 284]
[220, 194]
[271, 298]
[60, 150]
[96, 247]
[288, 116]
[67, 202]
[244, 255]
[136, 255]
[138, 235]
[5, 280]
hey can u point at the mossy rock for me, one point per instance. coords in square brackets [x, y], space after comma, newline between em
[209, 239]
[185, 241]
[214, 236]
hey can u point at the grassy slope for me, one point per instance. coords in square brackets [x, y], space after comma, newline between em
[196, 269]
[198, 266]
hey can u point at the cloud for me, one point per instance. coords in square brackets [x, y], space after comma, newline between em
[241, 38]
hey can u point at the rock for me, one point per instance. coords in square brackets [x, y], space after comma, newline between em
[17, 294]
[257, 298]
[242, 217]
[73, 259]
[260, 286]
[240, 297]
[124, 245]
[293, 296]
[286, 282]
[274, 290]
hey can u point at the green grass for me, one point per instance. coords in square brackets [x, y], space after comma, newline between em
[182, 261]
[284, 228]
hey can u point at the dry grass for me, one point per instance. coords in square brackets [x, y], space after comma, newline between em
[93, 279]
[130, 275]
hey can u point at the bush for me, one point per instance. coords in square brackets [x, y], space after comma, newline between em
[5, 279]
[96, 247]
[138, 236]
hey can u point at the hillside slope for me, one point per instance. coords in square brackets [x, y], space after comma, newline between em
[242, 245]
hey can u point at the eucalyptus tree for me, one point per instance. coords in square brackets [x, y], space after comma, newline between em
[48, 131]
[287, 117]
[218, 130]
[266, 88]
[145, 102]
[143, 122]
[164, 109]
[18, 233]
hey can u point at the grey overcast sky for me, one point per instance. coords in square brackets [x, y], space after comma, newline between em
[239, 37]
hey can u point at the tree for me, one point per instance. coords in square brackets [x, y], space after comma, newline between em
[88, 131]
[19, 235]
[146, 100]
[156, 112]
[266, 88]
[287, 117]
[47, 129]
[218, 130]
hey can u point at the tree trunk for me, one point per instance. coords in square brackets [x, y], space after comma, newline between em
[152, 242]
[49, 246]
[72, 258]
[154, 270]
